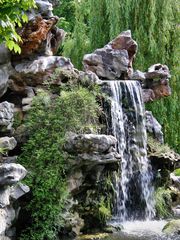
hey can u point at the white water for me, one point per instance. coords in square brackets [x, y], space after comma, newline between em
[133, 186]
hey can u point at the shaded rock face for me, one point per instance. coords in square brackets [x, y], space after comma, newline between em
[154, 127]
[113, 61]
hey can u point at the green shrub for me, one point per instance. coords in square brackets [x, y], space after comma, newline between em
[177, 172]
[163, 202]
[43, 156]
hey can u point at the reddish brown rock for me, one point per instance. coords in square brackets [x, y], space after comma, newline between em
[113, 61]
[34, 33]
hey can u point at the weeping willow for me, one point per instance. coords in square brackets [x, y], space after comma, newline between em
[154, 25]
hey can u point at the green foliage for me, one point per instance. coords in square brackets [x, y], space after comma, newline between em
[163, 202]
[44, 157]
[104, 210]
[98, 21]
[177, 172]
[12, 15]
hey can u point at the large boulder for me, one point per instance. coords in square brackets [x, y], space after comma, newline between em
[172, 227]
[113, 61]
[7, 143]
[89, 143]
[38, 71]
[11, 173]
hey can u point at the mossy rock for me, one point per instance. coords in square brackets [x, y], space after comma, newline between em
[172, 227]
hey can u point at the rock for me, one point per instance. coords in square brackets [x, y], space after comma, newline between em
[7, 216]
[75, 180]
[172, 227]
[18, 191]
[161, 155]
[11, 173]
[158, 71]
[89, 78]
[89, 143]
[175, 180]
[4, 76]
[37, 71]
[8, 143]
[73, 223]
[153, 127]
[114, 61]
[157, 80]
[148, 95]
[138, 75]
[7, 159]
[21, 134]
[6, 115]
[90, 160]
[5, 55]
[35, 34]
[44, 8]
[4, 197]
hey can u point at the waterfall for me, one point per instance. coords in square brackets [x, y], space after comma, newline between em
[134, 192]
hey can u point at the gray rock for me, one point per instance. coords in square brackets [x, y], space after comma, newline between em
[4, 76]
[89, 160]
[8, 143]
[7, 216]
[113, 61]
[153, 127]
[18, 191]
[6, 114]
[11, 173]
[175, 180]
[138, 75]
[158, 71]
[148, 95]
[4, 197]
[5, 54]
[36, 72]
[10, 159]
[89, 143]
[44, 8]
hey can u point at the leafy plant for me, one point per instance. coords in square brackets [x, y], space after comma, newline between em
[44, 157]
[177, 172]
[163, 202]
[12, 15]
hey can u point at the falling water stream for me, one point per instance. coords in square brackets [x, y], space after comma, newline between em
[134, 191]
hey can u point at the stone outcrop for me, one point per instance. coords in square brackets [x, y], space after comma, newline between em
[162, 156]
[10, 189]
[156, 83]
[113, 61]
[6, 116]
[153, 127]
[91, 149]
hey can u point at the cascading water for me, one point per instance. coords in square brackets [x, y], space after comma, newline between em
[134, 192]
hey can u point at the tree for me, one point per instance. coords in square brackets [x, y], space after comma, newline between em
[12, 15]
